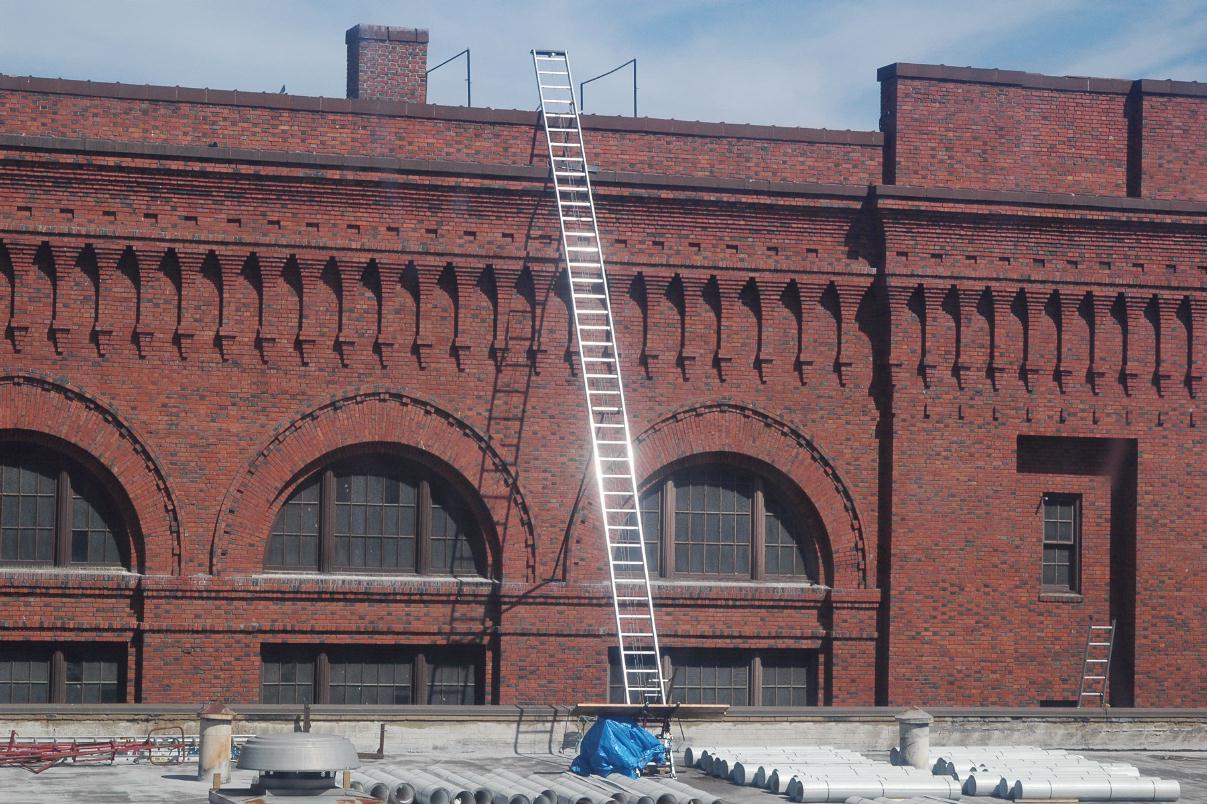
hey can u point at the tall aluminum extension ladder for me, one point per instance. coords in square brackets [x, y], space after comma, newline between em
[1096, 669]
[612, 445]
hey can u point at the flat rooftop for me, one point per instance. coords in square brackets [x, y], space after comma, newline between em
[102, 784]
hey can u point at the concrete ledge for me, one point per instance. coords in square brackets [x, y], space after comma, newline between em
[551, 729]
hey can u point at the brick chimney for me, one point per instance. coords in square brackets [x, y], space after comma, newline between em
[387, 63]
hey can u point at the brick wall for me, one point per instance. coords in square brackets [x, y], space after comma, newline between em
[1174, 123]
[205, 324]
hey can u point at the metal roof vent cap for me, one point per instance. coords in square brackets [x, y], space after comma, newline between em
[297, 760]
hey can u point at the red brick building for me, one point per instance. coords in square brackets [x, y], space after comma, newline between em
[287, 388]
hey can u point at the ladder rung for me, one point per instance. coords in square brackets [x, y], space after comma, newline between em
[1099, 644]
[622, 527]
[632, 597]
[633, 616]
[550, 72]
[564, 131]
[637, 634]
[1097, 661]
[1094, 678]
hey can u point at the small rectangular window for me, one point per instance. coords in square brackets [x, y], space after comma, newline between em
[1061, 541]
[25, 673]
[735, 677]
[62, 673]
[381, 676]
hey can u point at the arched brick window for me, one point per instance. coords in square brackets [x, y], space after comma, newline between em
[729, 519]
[376, 513]
[53, 512]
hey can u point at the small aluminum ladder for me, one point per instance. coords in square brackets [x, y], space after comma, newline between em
[1096, 669]
[611, 443]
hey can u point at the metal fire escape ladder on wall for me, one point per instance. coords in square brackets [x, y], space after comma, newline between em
[611, 442]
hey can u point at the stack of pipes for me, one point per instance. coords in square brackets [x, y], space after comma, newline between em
[441, 784]
[813, 773]
[1046, 774]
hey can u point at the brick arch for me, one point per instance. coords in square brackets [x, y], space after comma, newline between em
[743, 430]
[369, 418]
[96, 435]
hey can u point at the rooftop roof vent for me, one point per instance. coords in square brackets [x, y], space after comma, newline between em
[297, 761]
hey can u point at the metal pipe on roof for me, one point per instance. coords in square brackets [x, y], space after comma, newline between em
[480, 792]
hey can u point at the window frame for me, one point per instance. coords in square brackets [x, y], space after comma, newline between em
[755, 662]
[408, 467]
[1073, 547]
[421, 659]
[664, 486]
[66, 469]
[60, 654]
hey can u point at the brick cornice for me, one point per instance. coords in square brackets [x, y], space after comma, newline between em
[305, 103]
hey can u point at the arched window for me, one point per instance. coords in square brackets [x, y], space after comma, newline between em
[54, 513]
[722, 519]
[376, 513]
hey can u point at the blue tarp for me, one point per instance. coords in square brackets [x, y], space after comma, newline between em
[617, 745]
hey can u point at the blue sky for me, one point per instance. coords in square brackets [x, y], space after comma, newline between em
[786, 63]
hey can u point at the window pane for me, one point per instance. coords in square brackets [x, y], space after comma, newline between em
[454, 535]
[293, 543]
[27, 506]
[371, 676]
[1062, 517]
[24, 673]
[789, 548]
[789, 679]
[94, 535]
[374, 530]
[712, 521]
[287, 675]
[710, 677]
[452, 678]
[94, 673]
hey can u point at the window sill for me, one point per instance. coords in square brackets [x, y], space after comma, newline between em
[769, 583]
[44, 570]
[1061, 597]
[380, 578]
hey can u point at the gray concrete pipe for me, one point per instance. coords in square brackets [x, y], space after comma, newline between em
[400, 790]
[888, 788]
[652, 790]
[527, 785]
[481, 793]
[1142, 789]
[428, 790]
[693, 794]
[982, 784]
[597, 794]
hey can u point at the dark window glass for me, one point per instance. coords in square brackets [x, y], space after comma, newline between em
[788, 680]
[712, 522]
[93, 534]
[376, 517]
[288, 676]
[28, 493]
[294, 541]
[370, 677]
[452, 679]
[1062, 537]
[30, 528]
[86, 673]
[378, 676]
[452, 542]
[710, 677]
[94, 675]
[381, 512]
[782, 548]
[25, 673]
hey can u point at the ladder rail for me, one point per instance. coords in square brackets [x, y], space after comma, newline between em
[571, 195]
